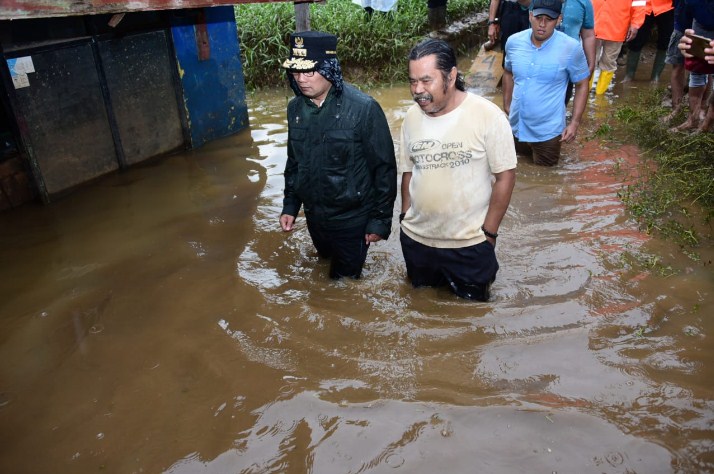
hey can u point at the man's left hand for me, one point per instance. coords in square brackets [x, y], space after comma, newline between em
[631, 33]
[369, 238]
[569, 133]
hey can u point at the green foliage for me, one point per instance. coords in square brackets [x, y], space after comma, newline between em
[626, 114]
[264, 30]
[604, 130]
[672, 193]
[635, 260]
[371, 48]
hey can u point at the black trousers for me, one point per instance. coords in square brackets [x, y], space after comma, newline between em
[665, 26]
[346, 248]
[513, 19]
[467, 271]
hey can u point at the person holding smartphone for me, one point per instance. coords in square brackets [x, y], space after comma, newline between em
[702, 24]
[696, 46]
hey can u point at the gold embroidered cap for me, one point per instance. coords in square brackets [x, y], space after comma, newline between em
[308, 49]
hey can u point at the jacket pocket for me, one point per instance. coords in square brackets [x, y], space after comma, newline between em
[341, 175]
[297, 137]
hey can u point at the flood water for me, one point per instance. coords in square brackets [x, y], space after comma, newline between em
[159, 321]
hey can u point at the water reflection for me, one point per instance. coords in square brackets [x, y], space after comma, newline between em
[159, 320]
[391, 435]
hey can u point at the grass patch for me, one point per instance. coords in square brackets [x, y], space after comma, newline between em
[635, 260]
[672, 192]
[372, 49]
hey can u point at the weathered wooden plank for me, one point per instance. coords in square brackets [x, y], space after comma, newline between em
[487, 69]
[23, 9]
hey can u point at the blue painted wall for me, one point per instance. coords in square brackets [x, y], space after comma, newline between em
[213, 89]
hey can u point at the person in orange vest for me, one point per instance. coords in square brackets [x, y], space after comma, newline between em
[661, 13]
[616, 21]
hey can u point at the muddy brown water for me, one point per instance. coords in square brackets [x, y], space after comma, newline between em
[159, 321]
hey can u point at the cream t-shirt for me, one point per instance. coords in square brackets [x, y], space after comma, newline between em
[452, 159]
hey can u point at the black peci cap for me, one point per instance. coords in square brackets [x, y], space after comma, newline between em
[308, 49]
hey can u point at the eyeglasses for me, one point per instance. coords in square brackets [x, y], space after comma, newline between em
[304, 73]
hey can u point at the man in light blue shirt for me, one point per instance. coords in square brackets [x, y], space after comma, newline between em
[539, 63]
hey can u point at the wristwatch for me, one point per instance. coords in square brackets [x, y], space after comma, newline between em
[495, 21]
[488, 234]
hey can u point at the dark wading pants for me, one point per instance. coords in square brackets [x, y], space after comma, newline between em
[345, 248]
[468, 271]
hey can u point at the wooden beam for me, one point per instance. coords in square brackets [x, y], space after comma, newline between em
[302, 17]
[24, 9]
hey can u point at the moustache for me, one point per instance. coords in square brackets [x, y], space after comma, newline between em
[424, 96]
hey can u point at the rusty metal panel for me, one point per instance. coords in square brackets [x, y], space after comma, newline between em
[63, 117]
[19, 9]
[144, 101]
[214, 88]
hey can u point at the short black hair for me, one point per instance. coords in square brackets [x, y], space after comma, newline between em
[445, 58]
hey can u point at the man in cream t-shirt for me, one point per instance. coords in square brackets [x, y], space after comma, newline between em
[458, 162]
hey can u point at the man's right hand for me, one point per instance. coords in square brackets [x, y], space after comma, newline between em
[286, 222]
[631, 33]
[493, 33]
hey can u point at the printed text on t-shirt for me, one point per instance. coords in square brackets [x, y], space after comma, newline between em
[432, 154]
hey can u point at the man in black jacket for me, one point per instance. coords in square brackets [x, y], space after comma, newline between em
[341, 166]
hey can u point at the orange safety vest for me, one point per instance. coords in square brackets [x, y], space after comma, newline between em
[614, 17]
[659, 6]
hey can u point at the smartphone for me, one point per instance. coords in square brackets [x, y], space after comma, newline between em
[698, 45]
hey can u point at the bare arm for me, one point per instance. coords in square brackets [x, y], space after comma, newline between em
[406, 198]
[500, 198]
[507, 86]
[579, 103]
[493, 29]
[588, 37]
